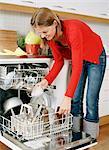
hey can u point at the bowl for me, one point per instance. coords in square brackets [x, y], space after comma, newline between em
[32, 49]
[37, 91]
[11, 103]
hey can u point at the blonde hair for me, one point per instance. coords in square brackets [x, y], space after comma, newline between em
[45, 17]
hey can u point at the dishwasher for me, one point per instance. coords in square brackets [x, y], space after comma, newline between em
[37, 125]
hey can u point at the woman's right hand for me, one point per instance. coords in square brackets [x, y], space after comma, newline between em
[38, 88]
[43, 84]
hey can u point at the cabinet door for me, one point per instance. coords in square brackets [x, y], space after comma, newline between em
[104, 95]
[89, 8]
[31, 3]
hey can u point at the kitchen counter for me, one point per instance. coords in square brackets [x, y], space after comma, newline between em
[14, 60]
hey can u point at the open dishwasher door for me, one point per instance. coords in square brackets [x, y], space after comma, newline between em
[68, 140]
[42, 131]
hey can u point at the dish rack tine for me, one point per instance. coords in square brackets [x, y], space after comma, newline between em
[12, 112]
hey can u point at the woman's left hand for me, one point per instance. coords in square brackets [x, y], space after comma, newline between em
[65, 106]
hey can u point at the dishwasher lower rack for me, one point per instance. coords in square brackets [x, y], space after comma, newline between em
[28, 130]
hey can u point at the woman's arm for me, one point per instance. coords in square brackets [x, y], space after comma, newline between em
[75, 40]
[58, 62]
[76, 44]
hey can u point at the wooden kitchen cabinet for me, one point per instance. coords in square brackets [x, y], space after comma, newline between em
[31, 3]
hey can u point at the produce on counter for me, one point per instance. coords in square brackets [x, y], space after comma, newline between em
[21, 41]
[32, 42]
[32, 38]
[17, 52]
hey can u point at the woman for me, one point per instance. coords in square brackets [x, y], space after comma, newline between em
[73, 39]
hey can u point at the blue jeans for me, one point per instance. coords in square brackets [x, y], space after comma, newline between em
[94, 73]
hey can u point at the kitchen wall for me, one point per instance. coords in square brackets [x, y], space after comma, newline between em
[15, 21]
[21, 23]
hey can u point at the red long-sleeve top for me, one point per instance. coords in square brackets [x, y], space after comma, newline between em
[80, 43]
